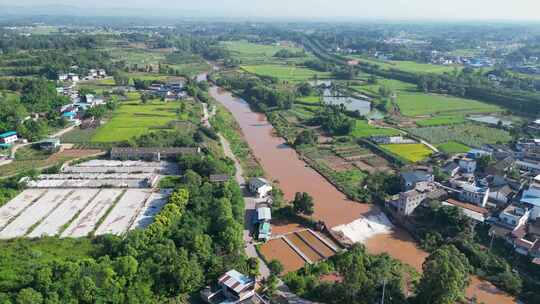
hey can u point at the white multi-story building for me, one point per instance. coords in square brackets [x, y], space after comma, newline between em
[467, 165]
[515, 215]
[473, 194]
[531, 197]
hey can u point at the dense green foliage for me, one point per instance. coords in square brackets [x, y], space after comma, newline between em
[195, 238]
[361, 279]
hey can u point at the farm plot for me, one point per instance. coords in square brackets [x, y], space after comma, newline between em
[410, 152]
[253, 53]
[278, 249]
[18, 204]
[153, 205]
[363, 159]
[363, 129]
[285, 72]
[134, 119]
[33, 214]
[72, 205]
[470, 134]
[90, 216]
[124, 213]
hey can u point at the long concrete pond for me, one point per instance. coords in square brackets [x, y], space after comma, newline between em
[356, 222]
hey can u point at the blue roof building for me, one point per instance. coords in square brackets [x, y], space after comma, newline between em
[8, 134]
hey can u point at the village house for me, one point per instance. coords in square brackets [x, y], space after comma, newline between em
[531, 197]
[416, 179]
[264, 216]
[260, 186]
[8, 138]
[467, 165]
[528, 149]
[474, 212]
[219, 178]
[473, 194]
[50, 144]
[451, 168]
[407, 202]
[514, 216]
[477, 153]
[233, 287]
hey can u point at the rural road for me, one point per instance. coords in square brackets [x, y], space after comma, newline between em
[249, 202]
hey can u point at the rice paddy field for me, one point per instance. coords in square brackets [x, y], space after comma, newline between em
[363, 129]
[411, 152]
[469, 134]
[285, 72]
[134, 119]
[254, 53]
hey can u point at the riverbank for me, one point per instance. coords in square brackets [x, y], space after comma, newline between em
[283, 164]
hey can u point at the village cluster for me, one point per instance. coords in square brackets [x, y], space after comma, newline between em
[509, 203]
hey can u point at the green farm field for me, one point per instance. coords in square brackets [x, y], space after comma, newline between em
[285, 72]
[441, 121]
[453, 147]
[253, 53]
[410, 66]
[470, 134]
[411, 152]
[412, 102]
[363, 129]
[134, 119]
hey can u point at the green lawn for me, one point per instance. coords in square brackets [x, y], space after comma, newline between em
[410, 152]
[254, 53]
[310, 99]
[134, 119]
[453, 147]
[363, 129]
[285, 72]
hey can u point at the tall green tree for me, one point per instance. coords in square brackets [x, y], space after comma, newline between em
[445, 277]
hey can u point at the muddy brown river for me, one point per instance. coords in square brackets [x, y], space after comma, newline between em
[282, 164]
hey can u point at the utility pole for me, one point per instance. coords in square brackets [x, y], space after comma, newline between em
[491, 242]
[383, 290]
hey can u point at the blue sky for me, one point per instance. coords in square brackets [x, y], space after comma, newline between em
[351, 9]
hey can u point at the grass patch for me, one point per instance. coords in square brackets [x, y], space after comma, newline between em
[285, 72]
[410, 152]
[453, 147]
[363, 129]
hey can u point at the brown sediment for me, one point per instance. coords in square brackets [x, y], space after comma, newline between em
[278, 249]
[303, 247]
[321, 247]
[282, 163]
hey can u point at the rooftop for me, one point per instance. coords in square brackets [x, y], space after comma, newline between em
[416, 176]
[9, 133]
[467, 206]
[259, 181]
[236, 281]
[263, 213]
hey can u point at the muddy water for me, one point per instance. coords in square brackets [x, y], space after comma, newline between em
[281, 163]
